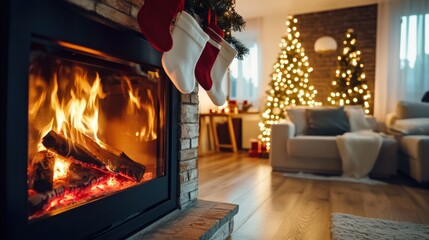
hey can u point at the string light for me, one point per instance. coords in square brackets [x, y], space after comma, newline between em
[293, 87]
[349, 85]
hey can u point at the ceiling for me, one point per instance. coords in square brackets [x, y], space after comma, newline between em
[258, 8]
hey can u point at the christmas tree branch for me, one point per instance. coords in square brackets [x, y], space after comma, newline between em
[228, 19]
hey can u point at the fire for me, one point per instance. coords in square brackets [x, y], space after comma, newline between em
[72, 101]
[60, 169]
[100, 189]
[135, 104]
[69, 103]
[78, 114]
[110, 183]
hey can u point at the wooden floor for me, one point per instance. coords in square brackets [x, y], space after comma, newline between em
[272, 206]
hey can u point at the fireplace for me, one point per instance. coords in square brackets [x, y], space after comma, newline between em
[90, 129]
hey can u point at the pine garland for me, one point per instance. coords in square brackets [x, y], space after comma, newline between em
[228, 19]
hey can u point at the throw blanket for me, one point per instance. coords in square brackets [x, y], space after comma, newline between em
[358, 151]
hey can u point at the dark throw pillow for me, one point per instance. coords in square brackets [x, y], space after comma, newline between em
[327, 122]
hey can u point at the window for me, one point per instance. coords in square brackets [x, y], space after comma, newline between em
[244, 77]
[414, 55]
[414, 39]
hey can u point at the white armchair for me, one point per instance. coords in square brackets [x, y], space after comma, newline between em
[410, 125]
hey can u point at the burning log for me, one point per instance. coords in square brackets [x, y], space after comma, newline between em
[91, 153]
[78, 178]
[42, 173]
[38, 201]
[57, 143]
[118, 164]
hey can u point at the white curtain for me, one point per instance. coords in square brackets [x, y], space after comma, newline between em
[245, 77]
[402, 56]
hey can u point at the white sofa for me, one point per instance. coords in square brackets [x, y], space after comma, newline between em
[293, 151]
[410, 126]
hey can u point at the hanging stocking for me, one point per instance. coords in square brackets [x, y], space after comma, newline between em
[221, 65]
[209, 54]
[154, 19]
[179, 63]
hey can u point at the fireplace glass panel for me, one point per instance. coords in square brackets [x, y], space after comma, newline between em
[96, 126]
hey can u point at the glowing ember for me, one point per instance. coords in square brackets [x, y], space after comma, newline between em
[60, 169]
[73, 197]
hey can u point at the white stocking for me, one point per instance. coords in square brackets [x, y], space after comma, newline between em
[223, 60]
[179, 63]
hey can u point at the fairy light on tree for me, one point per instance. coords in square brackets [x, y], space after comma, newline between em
[290, 84]
[349, 85]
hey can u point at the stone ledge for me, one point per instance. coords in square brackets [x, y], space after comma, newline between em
[203, 220]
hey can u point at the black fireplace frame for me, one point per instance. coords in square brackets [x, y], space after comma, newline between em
[107, 218]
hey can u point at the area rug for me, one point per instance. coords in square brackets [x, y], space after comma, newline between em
[346, 227]
[365, 180]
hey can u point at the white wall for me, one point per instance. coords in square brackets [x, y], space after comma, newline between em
[272, 30]
[205, 102]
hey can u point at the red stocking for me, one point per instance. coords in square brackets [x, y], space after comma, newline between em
[208, 56]
[154, 19]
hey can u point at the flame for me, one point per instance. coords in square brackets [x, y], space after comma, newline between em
[74, 103]
[71, 97]
[60, 169]
[148, 131]
[110, 183]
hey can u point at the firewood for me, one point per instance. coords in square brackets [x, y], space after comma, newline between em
[90, 152]
[41, 175]
[38, 202]
[57, 143]
[79, 177]
[118, 164]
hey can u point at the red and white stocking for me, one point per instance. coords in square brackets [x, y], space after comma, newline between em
[221, 65]
[208, 56]
[155, 18]
[189, 41]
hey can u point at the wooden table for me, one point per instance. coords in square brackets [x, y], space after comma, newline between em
[228, 117]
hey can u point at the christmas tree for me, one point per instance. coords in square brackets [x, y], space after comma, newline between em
[289, 84]
[349, 85]
[227, 18]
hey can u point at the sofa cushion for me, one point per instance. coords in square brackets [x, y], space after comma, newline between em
[327, 121]
[313, 147]
[417, 147]
[357, 119]
[411, 126]
[297, 116]
[406, 109]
